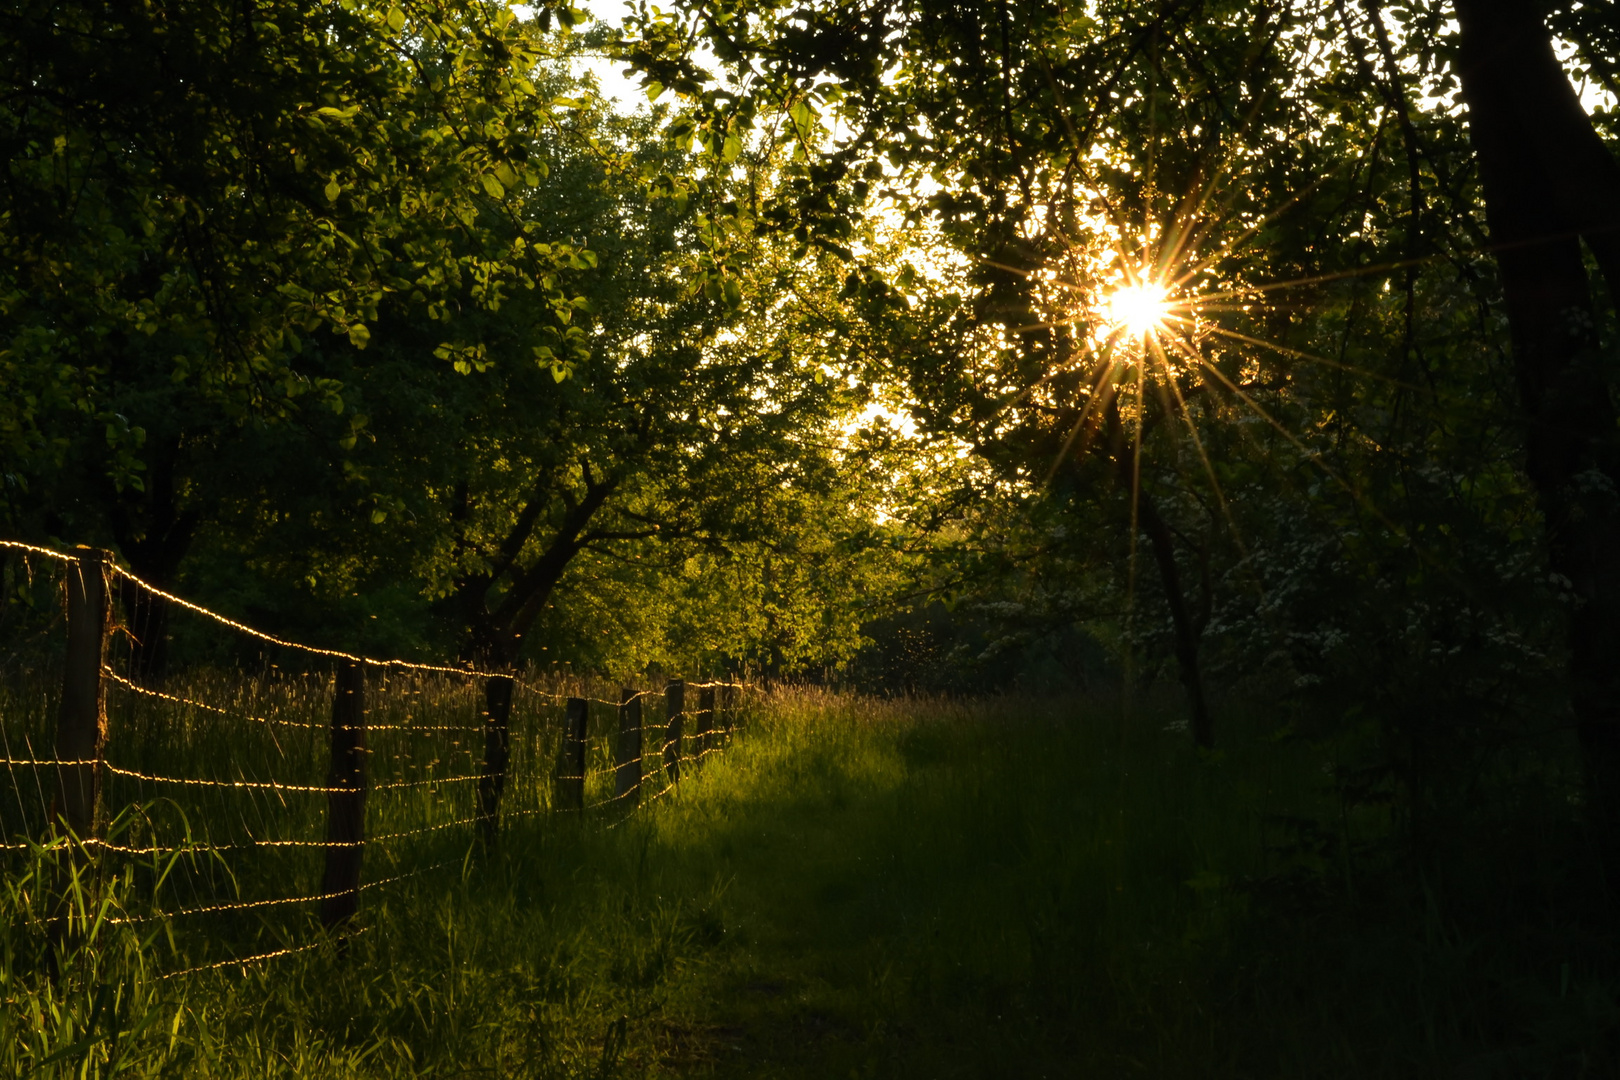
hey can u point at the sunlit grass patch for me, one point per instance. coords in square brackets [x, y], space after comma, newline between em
[1010, 886]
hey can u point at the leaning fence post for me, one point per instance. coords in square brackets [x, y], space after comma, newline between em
[345, 797]
[674, 706]
[497, 751]
[571, 761]
[81, 721]
[627, 771]
[707, 737]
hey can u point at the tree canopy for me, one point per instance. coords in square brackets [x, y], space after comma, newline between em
[1266, 345]
[1337, 453]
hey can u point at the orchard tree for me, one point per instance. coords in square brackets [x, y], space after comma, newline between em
[1098, 175]
[1182, 222]
[201, 199]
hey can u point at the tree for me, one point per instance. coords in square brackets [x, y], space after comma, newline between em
[1550, 184]
[192, 191]
[1063, 155]
[1317, 223]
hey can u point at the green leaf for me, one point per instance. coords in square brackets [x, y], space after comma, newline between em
[493, 187]
[396, 19]
[359, 335]
[379, 516]
[333, 190]
[731, 149]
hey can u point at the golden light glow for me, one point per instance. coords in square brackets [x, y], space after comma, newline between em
[1137, 310]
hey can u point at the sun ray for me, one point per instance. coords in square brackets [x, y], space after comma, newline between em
[1319, 279]
[1198, 443]
[1125, 284]
[1193, 269]
[1098, 390]
[1136, 489]
[1314, 458]
[1198, 220]
[1313, 358]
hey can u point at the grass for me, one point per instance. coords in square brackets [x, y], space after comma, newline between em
[1009, 887]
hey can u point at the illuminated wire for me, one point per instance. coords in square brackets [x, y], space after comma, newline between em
[466, 672]
[20, 546]
[308, 725]
[653, 734]
[246, 905]
[276, 785]
[244, 961]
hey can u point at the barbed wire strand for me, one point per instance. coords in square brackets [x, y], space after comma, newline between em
[276, 785]
[408, 665]
[307, 725]
[244, 961]
[18, 545]
[278, 788]
[248, 905]
[241, 627]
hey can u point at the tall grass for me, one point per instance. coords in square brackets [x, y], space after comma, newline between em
[858, 887]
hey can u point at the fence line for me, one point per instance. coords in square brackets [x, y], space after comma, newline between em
[149, 692]
[313, 650]
[275, 785]
[640, 754]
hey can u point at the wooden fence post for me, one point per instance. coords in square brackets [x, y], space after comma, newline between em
[81, 721]
[728, 709]
[346, 797]
[497, 752]
[570, 787]
[707, 736]
[674, 706]
[627, 772]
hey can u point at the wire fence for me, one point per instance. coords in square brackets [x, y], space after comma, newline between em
[246, 813]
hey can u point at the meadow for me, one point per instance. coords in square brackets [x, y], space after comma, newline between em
[858, 887]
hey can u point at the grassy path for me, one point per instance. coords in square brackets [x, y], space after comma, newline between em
[896, 895]
[857, 889]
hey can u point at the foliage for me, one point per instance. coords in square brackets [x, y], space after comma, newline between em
[1329, 431]
[514, 401]
[193, 189]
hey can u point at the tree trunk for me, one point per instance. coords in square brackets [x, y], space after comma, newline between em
[1186, 631]
[1549, 182]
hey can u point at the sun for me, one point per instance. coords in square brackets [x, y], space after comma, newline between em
[1137, 310]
